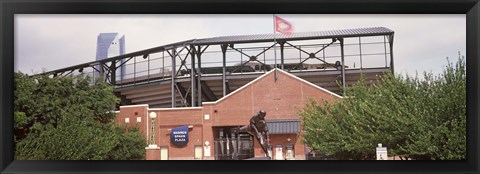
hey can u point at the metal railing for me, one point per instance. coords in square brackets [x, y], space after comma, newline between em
[186, 62]
[158, 66]
[225, 148]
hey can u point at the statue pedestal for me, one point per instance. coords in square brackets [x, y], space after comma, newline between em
[152, 152]
[259, 158]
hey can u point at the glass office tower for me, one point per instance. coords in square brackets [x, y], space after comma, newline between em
[111, 45]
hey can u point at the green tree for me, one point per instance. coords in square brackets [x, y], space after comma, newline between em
[423, 119]
[68, 118]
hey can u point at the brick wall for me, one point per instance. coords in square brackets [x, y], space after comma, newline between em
[172, 118]
[132, 112]
[281, 99]
[152, 153]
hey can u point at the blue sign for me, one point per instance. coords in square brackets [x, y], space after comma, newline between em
[179, 136]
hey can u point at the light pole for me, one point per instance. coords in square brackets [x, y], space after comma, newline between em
[153, 115]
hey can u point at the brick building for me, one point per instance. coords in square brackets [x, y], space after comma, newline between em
[187, 74]
[209, 127]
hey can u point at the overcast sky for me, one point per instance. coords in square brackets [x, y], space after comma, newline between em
[422, 42]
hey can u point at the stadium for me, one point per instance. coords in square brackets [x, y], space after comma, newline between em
[210, 86]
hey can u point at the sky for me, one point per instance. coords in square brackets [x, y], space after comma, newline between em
[53, 41]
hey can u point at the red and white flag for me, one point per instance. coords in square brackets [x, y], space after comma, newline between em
[283, 26]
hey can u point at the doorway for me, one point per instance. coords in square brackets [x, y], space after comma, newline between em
[229, 145]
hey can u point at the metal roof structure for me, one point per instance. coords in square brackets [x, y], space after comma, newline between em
[345, 33]
[283, 126]
[294, 36]
[189, 72]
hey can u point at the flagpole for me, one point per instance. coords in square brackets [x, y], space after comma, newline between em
[274, 46]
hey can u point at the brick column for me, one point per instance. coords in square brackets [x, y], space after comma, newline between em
[152, 152]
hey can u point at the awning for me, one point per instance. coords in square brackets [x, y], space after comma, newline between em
[283, 126]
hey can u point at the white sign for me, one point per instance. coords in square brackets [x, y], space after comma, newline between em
[278, 152]
[206, 151]
[382, 153]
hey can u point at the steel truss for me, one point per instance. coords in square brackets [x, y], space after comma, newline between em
[192, 95]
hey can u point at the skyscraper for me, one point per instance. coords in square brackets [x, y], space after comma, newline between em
[110, 45]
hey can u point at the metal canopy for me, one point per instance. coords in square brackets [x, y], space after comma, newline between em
[123, 56]
[191, 83]
[283, 126]
[345, 33]
[295, 36]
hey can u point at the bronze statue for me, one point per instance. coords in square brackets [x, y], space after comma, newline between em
[259, 129]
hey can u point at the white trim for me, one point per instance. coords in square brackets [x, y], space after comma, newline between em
[167, 109]
[152, 147]
[258, 78]
[189, 126]
[115, 112]
[129, 106]
[239, 89]
[311, 84]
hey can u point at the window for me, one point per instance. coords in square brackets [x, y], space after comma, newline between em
[257, 67]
